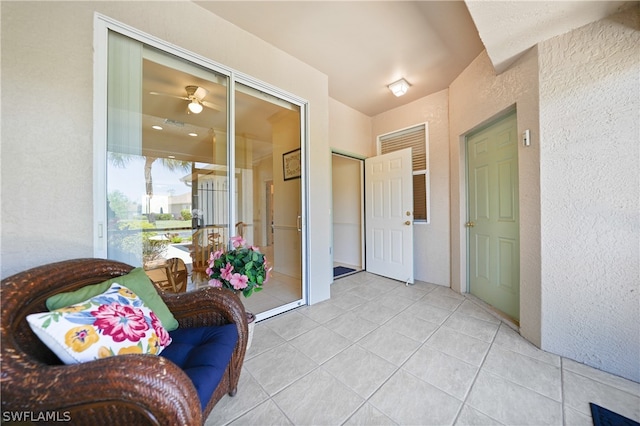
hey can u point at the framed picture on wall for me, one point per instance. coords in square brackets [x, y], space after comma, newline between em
[291, 164]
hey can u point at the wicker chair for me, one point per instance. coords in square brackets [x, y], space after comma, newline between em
[124, 389]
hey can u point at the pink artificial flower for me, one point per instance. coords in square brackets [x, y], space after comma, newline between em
[215, 255]
[215, 283]
[121, 322]
[254, 248]
[239, 281]
[237, 241]
[225, 273]
[161, 332]
[209, 271]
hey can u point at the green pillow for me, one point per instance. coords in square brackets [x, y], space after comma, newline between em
[136, 281]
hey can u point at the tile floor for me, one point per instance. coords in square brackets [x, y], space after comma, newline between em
[381, 353]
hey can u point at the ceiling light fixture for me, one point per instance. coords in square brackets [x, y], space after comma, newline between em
[195, 106]
[400, 87]
[156, 127]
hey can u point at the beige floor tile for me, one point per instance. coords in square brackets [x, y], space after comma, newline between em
[471, 417]
[279, 367]
[575, 418]
[351, 326]
[318, 399]
[407, 400]
[441, 301]
[412, 327]
[471, 326]
[375, 312]
[382, 353]
[579, 391]
[250, 394]
[442, 371]
[511, 340]
[602, 376]
[290, 324]
[512, 404]
[266, 413]
[348, 300]
[461, 346]
[360, 370]
[388, 344]
[320, 344]
[528, 372]
[369, 416]
[263, 339]
[322, 312]
[470, 309]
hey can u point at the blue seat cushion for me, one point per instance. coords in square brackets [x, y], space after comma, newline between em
[203, 353]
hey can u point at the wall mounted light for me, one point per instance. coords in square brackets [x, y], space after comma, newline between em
[195, 106]
[400, 87]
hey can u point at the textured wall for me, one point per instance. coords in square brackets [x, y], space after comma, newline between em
[589, 129]
[349, 130]
[47, 123]
[431, 241]
[478, 96]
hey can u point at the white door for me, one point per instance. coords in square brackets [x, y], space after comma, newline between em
[389, 215]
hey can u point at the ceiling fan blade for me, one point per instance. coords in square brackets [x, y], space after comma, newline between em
[170, 96]
[211, 105]
[200, 93]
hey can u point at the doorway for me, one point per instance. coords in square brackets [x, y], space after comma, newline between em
[493, 241]
[348, 195]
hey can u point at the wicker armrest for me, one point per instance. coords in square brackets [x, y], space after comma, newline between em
[211, 306]
[116, 390]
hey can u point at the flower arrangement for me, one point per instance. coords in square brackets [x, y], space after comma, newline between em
[241, 269]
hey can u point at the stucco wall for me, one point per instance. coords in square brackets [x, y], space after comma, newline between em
[349, 131]
[431, 241]
[476, 97]
[590, 178]
[47, 123]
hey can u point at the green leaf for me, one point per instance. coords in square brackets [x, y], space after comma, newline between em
[46, 323]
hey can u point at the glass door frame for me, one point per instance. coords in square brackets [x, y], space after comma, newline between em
[102, 26]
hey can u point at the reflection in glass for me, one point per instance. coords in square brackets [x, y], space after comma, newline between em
[268, 205]
[168, 183]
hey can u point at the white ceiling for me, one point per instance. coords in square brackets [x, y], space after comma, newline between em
[362, 46]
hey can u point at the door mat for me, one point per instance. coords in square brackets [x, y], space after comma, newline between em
[603, 417]
[341, 270]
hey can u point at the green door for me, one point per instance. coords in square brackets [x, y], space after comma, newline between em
[493, 225]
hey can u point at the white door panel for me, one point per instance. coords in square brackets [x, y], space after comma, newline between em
[389, 215]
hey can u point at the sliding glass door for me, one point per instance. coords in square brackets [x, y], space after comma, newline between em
[268, 190]
[194, 157]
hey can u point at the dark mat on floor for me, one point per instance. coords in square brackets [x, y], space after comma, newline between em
[341, 270]
[603, 417]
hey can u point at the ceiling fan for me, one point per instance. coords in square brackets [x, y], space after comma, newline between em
[195, 96]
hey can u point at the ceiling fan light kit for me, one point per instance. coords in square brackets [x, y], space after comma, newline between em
[195, 106]
[195, 96]
[399, 87]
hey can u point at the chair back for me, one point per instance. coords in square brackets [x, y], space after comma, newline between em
[26, 293]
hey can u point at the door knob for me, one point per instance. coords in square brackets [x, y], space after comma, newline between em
[408, 222]
[469, 224]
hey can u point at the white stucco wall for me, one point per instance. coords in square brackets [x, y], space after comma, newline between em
[431, 240]
[349, 131]
[47, 123]
[590, 179]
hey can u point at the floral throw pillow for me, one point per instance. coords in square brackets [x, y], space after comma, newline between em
[115, 322]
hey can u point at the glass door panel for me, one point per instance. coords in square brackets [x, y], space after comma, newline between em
[268, 192]
[167, 185]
